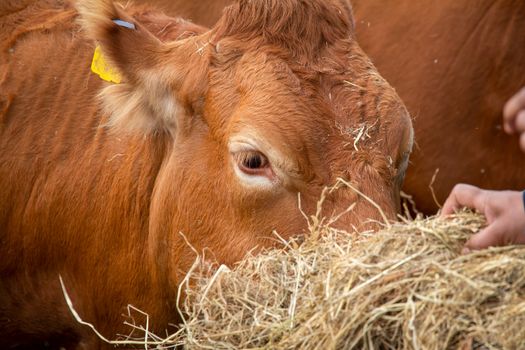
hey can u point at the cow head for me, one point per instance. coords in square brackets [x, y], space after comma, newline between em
[275, 101]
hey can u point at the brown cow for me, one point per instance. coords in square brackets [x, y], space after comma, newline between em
[205, 144]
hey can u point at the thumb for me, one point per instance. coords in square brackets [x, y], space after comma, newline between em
[490, 236]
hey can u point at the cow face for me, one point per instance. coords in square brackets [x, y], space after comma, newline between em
[263, 112]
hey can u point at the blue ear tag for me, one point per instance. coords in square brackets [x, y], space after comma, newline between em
[124, 24]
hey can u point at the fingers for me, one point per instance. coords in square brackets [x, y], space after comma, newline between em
[488, 237]
[519, 123]
[520, 128]
[464, 196]
[511, 110]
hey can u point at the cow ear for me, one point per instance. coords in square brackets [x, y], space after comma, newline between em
[153, 91]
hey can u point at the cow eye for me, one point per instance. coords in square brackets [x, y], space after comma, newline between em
[252, 162]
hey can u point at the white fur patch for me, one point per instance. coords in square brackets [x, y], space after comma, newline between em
[148, 107]
[252, 180]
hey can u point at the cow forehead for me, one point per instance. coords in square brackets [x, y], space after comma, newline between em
[264, 76]
[316, 106]
[269, 86]
[263, 87]
[321, 90]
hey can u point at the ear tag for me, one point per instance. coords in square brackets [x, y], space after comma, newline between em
[105, 71]
[124, 24]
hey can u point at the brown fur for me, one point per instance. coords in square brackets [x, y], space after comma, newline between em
[100, 192]
[454, 64]
[202, 12]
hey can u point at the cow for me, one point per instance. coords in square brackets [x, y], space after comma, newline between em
[202, 141]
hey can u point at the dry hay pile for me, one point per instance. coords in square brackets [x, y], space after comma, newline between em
[405, 287]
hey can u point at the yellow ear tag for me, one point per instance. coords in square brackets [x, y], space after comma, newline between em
[100, 67]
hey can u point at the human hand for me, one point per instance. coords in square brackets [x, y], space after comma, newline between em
[514, 116]
[504, 211]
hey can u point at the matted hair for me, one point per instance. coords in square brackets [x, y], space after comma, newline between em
[300, 26]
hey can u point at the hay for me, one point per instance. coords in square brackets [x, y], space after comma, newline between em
[405, 287]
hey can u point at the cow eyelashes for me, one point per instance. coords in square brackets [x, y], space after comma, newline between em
[252, 162]
[252, 167]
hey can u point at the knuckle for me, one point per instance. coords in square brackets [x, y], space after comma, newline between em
[460, 188]
[520, 121]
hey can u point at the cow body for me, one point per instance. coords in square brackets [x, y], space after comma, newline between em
[75, 199]
[204, 146]
[454, 64]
